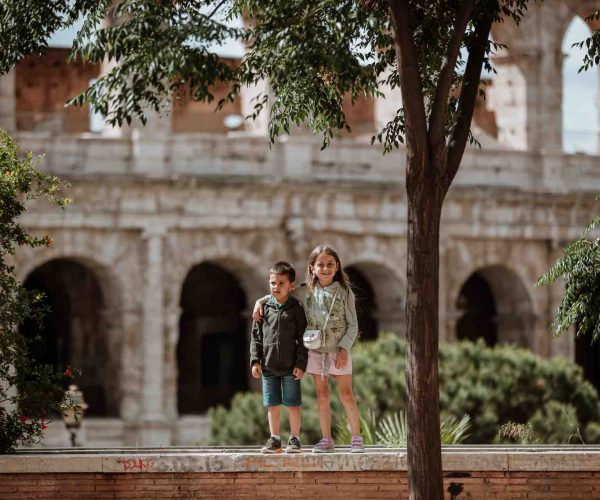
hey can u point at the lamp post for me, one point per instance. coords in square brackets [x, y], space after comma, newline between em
[73, 414]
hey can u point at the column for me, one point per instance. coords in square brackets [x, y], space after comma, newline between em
[8, 102]
[562, 346]
[154, 428]
[248, 97]
[387, 107]
[151, 142]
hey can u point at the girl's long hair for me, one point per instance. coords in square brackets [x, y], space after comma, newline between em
[340, 276]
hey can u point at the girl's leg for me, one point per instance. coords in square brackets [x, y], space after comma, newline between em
[323, 404]
[344, 383]
[294, 415]
[274, 412]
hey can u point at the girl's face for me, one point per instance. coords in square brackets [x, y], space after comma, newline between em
[324, 269]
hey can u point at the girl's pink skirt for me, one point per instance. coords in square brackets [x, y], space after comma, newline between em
[317, 365]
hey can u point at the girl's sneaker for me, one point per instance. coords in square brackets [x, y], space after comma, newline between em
[357, 445]
[273, 445]
[326, 445]
[293, 445]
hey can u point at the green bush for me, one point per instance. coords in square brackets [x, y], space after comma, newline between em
[493, 386]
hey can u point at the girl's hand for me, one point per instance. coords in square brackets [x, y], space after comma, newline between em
[256, 370]
[342, 359]
[257, 313]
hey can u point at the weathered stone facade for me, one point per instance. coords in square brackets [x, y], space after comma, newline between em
[163, 220]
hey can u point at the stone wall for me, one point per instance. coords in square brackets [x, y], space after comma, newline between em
[469, 473]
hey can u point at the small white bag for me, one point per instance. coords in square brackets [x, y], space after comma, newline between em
[313, 338]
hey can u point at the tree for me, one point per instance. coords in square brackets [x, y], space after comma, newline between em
[29, 393]
[314, 53]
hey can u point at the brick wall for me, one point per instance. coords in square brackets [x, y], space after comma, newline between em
[330, 485]
[43, 85]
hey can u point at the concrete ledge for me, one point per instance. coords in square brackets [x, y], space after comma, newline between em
[249, 459]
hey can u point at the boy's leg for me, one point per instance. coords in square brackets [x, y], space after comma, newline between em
[272, 400]
[344, 383]
[292, 399]
[274, 415]
[323, 405]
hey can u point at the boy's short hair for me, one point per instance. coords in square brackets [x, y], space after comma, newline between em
[283, 267]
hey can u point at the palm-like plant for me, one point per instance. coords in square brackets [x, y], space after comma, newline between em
[391, 430]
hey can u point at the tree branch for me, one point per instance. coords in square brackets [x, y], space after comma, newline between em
[466, 102]
[410, 79]
[439, 112]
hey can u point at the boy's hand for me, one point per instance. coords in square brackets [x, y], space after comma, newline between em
[342, 359]
[298, 373]
[257, 313]
[256, 370]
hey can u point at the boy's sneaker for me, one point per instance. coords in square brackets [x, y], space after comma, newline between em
[273, 445]
[357, 445]
[326, 445]
[293, 445]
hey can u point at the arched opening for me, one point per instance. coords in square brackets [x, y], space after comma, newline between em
[495, 305]
[579, 96]
[379, 299]
[212, 347]
[478, 318]
[587, 355]
[72, 332]
[366, 308]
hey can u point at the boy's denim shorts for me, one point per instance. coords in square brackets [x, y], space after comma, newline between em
[277, 390]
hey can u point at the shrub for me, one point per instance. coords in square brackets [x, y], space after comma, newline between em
[29, 393]
[493, 386]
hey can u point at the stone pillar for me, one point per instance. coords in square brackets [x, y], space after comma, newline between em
[514, 97]
[386, 108]
[154, 429]
[150, 142]
[248, 96]
[598, 113]
[562, 346]
[8, 102]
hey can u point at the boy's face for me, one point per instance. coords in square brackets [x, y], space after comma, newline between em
[280, 286]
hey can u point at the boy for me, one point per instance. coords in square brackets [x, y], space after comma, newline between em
[278, 354]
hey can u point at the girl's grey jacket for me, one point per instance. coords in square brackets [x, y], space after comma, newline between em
[276, 341]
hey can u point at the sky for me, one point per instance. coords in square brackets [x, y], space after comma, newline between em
[580, 99]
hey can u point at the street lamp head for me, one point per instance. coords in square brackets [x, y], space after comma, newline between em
[73, 413]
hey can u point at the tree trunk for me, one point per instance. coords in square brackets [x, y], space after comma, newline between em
[425, 200]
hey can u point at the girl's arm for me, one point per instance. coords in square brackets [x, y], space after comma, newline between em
[300, 293]
[351, 322]
[256, 344]
[257, 312]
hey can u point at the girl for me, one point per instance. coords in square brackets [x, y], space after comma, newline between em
[327, 288]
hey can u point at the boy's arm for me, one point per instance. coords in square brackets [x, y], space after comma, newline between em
[256, 343]
[351, 323]
[301, 351]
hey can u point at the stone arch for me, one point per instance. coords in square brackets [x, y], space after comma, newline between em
[494, 297]
[81, 328]
[214, 325]
[579, 91]
[380, 300]
[588, 357]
